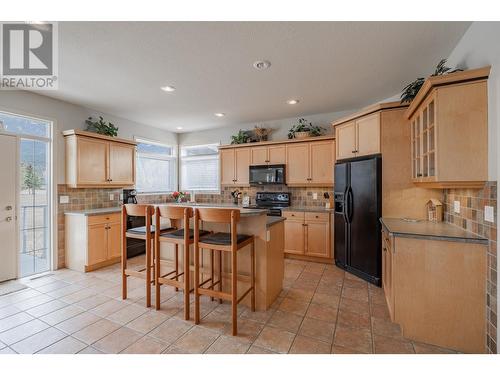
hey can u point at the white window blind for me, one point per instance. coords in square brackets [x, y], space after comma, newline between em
[200, 168]
[156, 167]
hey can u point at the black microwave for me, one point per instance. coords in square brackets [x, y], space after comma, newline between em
[267, 174]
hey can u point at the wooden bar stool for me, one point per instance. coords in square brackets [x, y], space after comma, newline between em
[222, 242]
[143, 233]
[181, 235]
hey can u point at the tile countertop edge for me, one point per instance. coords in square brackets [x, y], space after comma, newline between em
[307, 209]
[95, 211]
[464, 235]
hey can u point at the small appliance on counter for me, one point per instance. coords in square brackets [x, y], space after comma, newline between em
[273, 202]
[134, 246]
[267, 174]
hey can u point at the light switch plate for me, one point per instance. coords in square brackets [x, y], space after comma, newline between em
[456, 206]
[111, 197]
[489, 214]
[63, 199]
[268, 235]
[315, 196]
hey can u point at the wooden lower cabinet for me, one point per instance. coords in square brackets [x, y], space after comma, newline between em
[308, 234]
[436, 291]
[92, 242]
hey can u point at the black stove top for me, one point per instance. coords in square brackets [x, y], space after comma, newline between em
[272, 201]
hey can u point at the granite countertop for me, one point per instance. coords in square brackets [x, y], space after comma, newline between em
[424, 229]
[95, 211]
[307, 209]
[271, 220]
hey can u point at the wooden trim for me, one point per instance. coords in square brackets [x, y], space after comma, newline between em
[105, 263]
[369, 110]
[285, 141]
[84, 133]
[309, 258]
[447, 79]
[451, 184]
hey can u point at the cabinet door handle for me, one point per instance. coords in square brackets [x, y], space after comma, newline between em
[353, 151]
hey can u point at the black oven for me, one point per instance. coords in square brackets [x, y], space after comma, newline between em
[267, 174]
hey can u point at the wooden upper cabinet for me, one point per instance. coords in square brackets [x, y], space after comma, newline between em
[345, 139]
[234, 166]
[94, 160]
[121, 164]
[297, 172]
[91, 161]
[227, 166]
[259, 155]
[368, 135]
[449, 131]
[321, 162]
[242, 160]
[276, 154]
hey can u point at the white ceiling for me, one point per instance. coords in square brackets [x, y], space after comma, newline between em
[118, 67]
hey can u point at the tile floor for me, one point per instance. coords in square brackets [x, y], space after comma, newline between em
[320, 310]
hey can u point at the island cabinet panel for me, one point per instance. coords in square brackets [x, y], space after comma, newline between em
[387, 272]
[298, 164]
[449, 131]
[439, 292]
[121, 164]
[92, 242]
[308, 234]
[94, 160]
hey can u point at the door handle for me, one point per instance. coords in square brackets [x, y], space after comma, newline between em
[8, 218]
[8, 208]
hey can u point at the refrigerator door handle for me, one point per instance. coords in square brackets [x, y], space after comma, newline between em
[349, 204]
[345, 212]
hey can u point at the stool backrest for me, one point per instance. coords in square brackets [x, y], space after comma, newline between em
[138, 209]
[177, 215]
[218, 215]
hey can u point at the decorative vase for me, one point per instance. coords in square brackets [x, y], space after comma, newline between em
[302, 135]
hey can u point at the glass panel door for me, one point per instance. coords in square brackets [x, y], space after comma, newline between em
[34, 209]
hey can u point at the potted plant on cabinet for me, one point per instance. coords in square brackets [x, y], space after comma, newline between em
[304, 129]
[101, 127]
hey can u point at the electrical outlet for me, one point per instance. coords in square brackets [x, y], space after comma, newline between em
[489, 214]
[456, 206]
[121, 196]
[315, 196]
[268, 236]
[63, 199]
[111, 197]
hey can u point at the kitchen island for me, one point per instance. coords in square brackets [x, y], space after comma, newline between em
[269, 255]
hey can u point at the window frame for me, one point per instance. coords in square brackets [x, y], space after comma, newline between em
[216, 157]
[174, 158]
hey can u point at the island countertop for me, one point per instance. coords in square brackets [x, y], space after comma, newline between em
[430, 230]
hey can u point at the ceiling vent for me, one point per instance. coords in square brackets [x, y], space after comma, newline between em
[261, 65]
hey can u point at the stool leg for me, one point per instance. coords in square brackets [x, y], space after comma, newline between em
[148, 274]
[186, 281]
[234, 291]
[252, 274]
[220, 274]
[157, 277]
[176, 260]
[212, 269]
[196, 283]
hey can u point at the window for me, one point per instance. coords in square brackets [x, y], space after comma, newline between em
[24, 125]
[156, 166]
[200, 168]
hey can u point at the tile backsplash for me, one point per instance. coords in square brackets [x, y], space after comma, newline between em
[471, 217]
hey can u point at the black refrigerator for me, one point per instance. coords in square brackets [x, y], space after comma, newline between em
[358, 207]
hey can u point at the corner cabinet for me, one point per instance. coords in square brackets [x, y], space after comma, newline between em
[92, 241]
[449, 131]
[308, 162]
[93, 160]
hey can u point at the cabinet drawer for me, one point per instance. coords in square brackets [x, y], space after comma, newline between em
[317, 216]
[294, 215]
[104, 219]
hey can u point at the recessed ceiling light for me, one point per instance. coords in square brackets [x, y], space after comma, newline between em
[219, 114]
[179, 128]
[292, 101]
[261, 64]
[168, 88]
